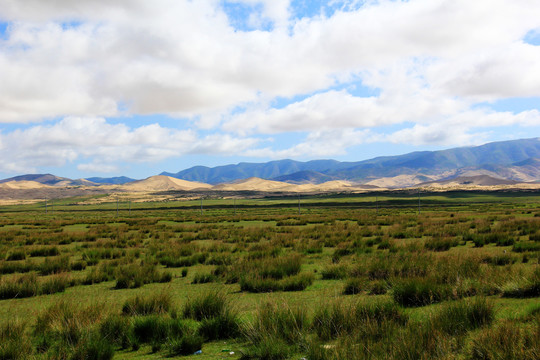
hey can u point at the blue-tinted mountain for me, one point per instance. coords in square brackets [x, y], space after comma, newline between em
[118, 180]
[305, 177]
[49, 179]
[267, 170]
[496, 154]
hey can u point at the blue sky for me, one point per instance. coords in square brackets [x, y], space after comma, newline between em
[109, 88]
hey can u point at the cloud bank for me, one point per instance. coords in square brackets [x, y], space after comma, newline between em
[434, 68]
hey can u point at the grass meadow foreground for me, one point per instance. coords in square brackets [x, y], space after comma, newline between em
[350, 277]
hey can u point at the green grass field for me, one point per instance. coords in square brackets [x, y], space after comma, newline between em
[374, 276]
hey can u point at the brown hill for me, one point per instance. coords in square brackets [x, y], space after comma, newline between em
[478, 180]
[254, 184]
[162, 183]
[23, 184]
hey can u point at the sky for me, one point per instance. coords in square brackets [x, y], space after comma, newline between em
[136, 87]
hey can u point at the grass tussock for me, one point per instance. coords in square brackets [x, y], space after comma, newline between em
[276, 330]
[134, 276]
[419, 292]
[457, 318]
[145, 305]
[506, 341]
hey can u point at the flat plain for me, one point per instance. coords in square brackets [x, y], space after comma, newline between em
[388, 275]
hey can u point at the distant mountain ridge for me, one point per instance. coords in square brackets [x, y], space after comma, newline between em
[496, 156]
[118, 180]
[516, 160]
[49, 179]
[268, 170]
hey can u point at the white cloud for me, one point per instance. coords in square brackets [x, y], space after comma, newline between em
[318, 144]
[105, 145]
[94, 167]
[183, 58]
[431, 61]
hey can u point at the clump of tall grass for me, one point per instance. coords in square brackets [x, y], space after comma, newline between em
[16, 255]
[92, 346]
[441, 243]
[526, 288]
[524, 246]
[458, 317]
[419, 340]
[55, 265]
[117, 330]
[45, 251]
[335, 271]
[29, 285]
[276, 330]
[354, 286]
[146, 305]
[184, 261]
[258, 284]
[100, 273]
[14, 342]
[219, 320]
[187, 344]
[206, 305]
[499, 260]
[506, 341]
[64, 327]
[336, 319]
[134, 276]
[157, 330]
[203, 278]
[419, 292]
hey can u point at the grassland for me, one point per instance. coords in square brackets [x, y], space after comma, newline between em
[372, 276]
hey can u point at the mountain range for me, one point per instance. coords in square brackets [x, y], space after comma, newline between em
[513, 160]
[504, 162]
